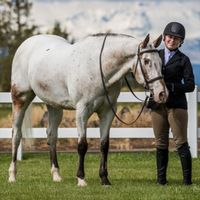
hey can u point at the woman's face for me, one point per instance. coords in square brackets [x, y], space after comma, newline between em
[172, 42]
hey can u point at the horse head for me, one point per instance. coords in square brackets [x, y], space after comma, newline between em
[147, 69]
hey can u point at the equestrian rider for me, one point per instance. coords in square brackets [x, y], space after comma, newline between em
[179, 79]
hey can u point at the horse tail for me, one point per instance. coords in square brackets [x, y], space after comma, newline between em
[21, 86]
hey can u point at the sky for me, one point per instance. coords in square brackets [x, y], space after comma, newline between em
[134, 17]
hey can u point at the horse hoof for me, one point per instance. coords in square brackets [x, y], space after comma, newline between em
[56, 175]
[81, 182]
[12, 172]
[12, 179]
[105, 181]
[57, 178]
[106, 184]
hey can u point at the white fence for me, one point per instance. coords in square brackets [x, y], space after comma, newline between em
[193, 131]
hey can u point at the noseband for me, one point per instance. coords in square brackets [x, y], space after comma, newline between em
[139, 53]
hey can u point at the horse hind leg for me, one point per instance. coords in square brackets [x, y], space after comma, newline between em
[21, 101]
[55, 117]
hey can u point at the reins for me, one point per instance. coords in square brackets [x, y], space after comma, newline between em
[106, 92]
[129, 87]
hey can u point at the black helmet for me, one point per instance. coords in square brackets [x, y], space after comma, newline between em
[175, 29]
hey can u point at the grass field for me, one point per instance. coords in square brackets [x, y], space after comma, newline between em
[132, 176]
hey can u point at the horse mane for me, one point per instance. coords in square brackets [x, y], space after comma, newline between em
[110, 34]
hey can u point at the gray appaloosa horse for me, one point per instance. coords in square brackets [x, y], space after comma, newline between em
[68, 76]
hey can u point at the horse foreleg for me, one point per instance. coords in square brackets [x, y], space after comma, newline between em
[82, 149]
[82, 116]
[55, 117]
[103, 173]
[106, 117]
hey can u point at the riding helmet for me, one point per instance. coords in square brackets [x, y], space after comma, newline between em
[175, 29]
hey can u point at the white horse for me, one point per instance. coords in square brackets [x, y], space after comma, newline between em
[68, 76]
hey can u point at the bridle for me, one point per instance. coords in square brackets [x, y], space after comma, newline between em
[147, 82]
[139, 53]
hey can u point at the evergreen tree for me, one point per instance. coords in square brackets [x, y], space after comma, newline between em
[15, 27]
[57, 30]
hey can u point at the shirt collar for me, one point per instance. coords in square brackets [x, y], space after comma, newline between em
[168, 52]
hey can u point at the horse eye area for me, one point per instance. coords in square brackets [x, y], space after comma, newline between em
[146, 61]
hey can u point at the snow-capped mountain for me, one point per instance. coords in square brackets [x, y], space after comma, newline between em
[134, 17]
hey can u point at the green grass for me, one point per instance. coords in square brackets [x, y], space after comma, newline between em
[132, 176]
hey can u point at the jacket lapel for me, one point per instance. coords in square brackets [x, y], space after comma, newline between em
[162, 55]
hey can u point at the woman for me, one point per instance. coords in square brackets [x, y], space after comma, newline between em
[179, 78]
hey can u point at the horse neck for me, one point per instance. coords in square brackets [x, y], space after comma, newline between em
[118, 58]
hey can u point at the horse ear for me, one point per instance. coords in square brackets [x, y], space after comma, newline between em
[157, 42]
[145, 42]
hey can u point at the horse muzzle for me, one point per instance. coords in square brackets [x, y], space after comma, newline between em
[161, 96]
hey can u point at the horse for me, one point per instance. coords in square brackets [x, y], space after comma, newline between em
[67, 76]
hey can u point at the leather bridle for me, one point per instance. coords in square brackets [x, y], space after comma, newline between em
[139, 53]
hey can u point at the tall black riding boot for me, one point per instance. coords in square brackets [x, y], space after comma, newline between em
[186, 162]
[162, 162]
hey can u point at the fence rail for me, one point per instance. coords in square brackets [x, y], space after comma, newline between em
[193, 131]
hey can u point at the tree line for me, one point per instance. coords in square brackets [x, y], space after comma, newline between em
[15, 27]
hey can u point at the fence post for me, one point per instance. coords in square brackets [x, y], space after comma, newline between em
[193, 122]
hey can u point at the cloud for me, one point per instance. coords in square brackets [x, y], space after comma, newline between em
[136, 18]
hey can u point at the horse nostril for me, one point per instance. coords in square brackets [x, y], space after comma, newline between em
[162, 97]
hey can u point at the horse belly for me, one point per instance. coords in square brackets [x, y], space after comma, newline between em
[51, 90]
[48, 83]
